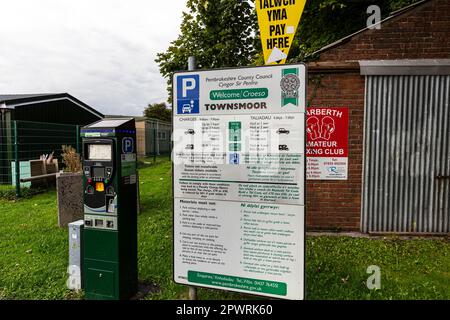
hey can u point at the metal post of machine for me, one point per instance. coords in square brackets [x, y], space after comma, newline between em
[110, 209]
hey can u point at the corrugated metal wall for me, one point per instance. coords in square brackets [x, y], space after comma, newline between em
[407, 154]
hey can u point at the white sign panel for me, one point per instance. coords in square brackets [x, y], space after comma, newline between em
[239, 172]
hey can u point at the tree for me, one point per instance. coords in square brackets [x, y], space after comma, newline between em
[224, 33]
[325, 21]
[158, 111]
[219, 33]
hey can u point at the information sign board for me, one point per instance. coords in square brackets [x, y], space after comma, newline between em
[239, 179]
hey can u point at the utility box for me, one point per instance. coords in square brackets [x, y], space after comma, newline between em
[110, 211]
[75, 254]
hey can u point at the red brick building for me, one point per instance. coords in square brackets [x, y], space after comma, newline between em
[395, 81]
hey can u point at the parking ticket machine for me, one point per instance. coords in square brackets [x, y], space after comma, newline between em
[110, 210]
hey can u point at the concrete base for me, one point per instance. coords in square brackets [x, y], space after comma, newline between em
[380, 235]
[69, 189]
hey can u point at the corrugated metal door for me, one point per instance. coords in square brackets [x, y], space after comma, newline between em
[406, 185]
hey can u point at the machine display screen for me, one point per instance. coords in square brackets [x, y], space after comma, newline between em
[99, 152]
[98, 171]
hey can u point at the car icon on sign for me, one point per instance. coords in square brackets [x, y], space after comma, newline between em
[187, 108]
[189, 147]
[282, 130]
[283, 147]
[189, 131]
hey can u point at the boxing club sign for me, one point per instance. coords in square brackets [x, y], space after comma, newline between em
[327, 143]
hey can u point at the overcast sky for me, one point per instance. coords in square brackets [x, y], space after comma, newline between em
[100, 51]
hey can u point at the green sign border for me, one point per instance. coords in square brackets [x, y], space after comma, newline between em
[247, 284]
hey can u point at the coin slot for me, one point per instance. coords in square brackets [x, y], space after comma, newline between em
[98, 223]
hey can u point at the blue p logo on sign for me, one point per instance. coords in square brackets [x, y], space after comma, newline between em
[188, 93]
[127, 145]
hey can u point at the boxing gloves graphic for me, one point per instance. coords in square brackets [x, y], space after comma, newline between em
[322, 129]
[327, 127]
[313, 128]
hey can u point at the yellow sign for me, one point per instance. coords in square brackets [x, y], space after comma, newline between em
[278, 20]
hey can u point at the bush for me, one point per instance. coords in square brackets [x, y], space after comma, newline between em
[71, 159]
[10, 193]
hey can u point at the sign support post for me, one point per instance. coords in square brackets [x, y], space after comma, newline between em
[191, 67]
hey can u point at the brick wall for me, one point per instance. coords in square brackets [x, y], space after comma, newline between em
[333, 205]
[421, 33]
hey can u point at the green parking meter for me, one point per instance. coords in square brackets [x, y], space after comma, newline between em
[110, 210]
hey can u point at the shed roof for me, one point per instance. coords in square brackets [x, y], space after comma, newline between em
[12, 101]
[12, 97]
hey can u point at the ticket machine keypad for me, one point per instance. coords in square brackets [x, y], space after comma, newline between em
[92, 179]
[100, 198]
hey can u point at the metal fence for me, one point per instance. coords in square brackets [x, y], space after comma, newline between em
[153, 141]
[23, 142]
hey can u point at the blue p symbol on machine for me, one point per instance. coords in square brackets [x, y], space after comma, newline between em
[127, 145]
[234, 158]
[188, 93]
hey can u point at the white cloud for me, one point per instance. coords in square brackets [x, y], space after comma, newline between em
[100, 51]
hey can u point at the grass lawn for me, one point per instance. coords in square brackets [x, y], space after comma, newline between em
[34, 254]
